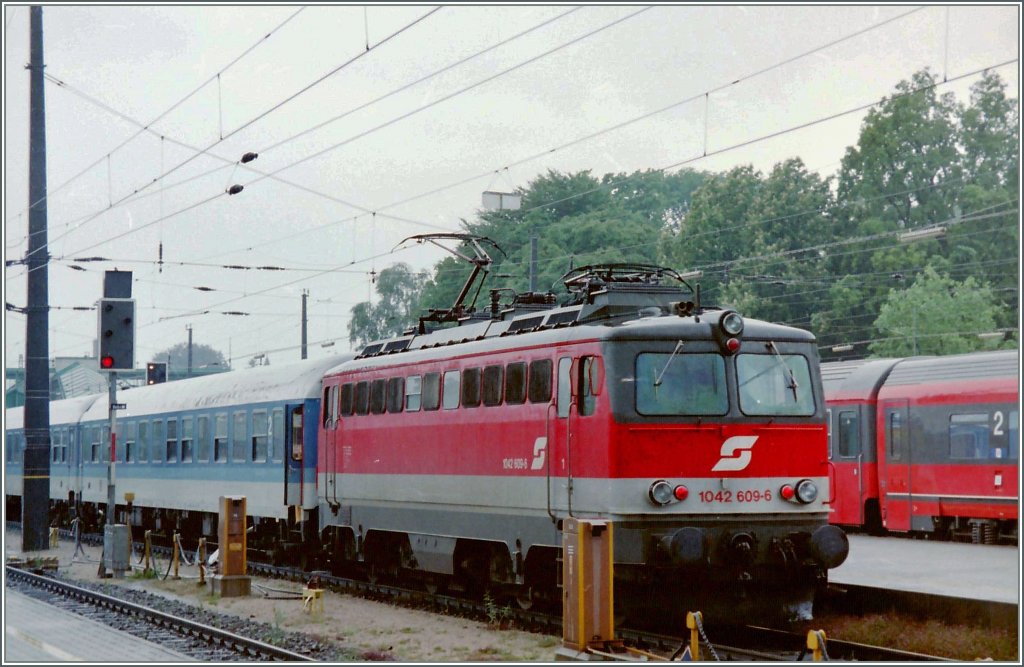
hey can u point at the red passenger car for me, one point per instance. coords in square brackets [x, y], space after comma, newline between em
[453, 456]
[926, 445]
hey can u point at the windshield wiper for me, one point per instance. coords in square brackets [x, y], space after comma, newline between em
[661, 375]
[789, 371]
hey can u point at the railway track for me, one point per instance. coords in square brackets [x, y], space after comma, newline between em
[187, 637]
[734, 644]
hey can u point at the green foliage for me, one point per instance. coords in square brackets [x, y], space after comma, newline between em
[398, 290]
[176, 356]
[936, 315]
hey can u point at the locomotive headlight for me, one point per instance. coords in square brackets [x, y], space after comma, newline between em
[732, 324]
[660, 493]
[806, 491]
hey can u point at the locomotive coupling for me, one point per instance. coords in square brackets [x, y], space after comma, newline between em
[687, 546]
[829, 546]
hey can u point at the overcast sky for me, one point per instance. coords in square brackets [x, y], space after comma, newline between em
[421, 157]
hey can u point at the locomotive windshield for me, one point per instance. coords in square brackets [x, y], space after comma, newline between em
[774, 384]
[681, 384]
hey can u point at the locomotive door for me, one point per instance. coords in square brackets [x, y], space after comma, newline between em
[559, 446]
[294, 458]
[896, 465]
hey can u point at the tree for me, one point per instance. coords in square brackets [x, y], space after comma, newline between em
[397, 308]
[202, 356]
[936, 315]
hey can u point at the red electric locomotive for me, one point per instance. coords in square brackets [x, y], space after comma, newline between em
[926, 445]
[454, 455]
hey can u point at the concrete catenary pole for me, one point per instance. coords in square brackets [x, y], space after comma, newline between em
[36, 465]
[305, 295]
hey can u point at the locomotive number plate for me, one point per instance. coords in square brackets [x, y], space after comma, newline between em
[744, 496]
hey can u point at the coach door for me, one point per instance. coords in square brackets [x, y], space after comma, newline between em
[847, 465]
[895, 473]
[294, 458]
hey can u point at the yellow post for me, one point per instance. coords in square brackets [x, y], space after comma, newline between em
[693, 621]
[147, 564]
[816, 641]
[202, 561]
[177, 554]
[54, 538]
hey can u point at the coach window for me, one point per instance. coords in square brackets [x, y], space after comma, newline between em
[105, 443]
[450, 395]
[515, 383]
[172, 440]
[186, 440]
[849, 434]
[157, 451]
[54, 447]
[1014, 431]
[540, 381]
[395, 395]
[431, 391]
[347, 396]
[260, 435]
[362, 397]
[471, 388]
[968, 436]
[413, 387]
[239, 438]
[277, 433]
[130, 431]
[203, 436]
[378, 389]
[143, 442]
[220, 439]
[494, 382]
[897, 435]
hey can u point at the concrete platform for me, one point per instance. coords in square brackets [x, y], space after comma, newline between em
[970, 571]
[37, 632]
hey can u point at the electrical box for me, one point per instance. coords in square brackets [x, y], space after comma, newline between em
[231, 536]
[116, 549]
[587, 573]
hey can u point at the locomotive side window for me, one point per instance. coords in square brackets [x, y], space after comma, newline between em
[540, 381]
[828, 430]
[172, 440]
[413, 386]
[515, 383]
[683, 384]
[450, 393]
[897, 435]
[347, 399]
[239, 438]
[493, 384]
[564, 386]
[362, 397]
[589, 383]
[220, 439]
[326, 407]
[774, 384]
[203, 436]
[377, 393]
[471, 387]
[260, 435]
[277, 434]
[968, 436]
[431, 391]
[186, 440]
[396, 394]
[849, 434]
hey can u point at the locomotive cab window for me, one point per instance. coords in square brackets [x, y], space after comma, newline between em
[680, 384]
[774, 384]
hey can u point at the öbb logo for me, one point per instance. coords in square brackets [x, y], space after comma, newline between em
[735, 453]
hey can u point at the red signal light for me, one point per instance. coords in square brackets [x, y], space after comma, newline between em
[107, 362]
[733, 344]
[681, 492]
[787, 491]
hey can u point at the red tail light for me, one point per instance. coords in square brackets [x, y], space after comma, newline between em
[681, 492]
[787, 492]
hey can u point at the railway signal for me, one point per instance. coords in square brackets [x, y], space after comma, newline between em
[116, 334]
[156, 372]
